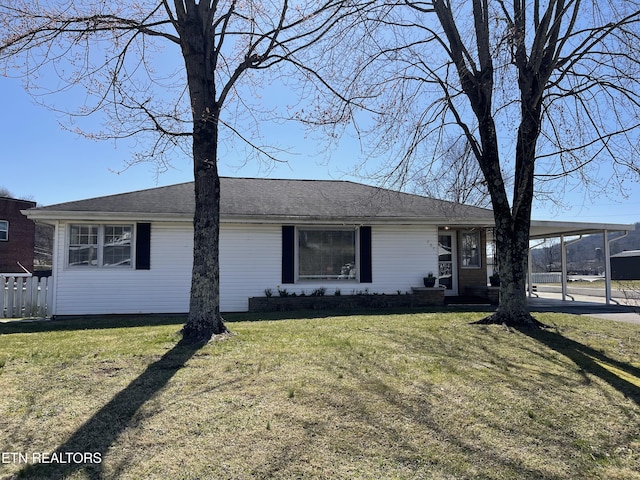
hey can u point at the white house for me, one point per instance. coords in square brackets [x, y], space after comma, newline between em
[132, 253]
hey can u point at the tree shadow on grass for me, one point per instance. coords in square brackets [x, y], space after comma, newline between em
[620, 375]
[102, 430]
[89, 323]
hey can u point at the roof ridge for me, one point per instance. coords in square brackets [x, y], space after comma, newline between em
[291, 179]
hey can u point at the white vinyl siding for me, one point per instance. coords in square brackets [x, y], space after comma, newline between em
[162, 289]
[402, 257]
[250, 262]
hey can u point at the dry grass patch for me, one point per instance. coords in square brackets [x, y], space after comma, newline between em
[363, 396]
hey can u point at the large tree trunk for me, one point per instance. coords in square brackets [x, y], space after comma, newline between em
[205, 319]
[512, 247]
[197, 49]
[513, 227]
[512, 251]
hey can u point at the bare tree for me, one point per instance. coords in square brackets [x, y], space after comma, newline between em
[546, 94]
[452, 175]
[546, 256]
[166, 72]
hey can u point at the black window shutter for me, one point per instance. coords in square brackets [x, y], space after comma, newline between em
[288, 253]
[366, 267]
[143, 246]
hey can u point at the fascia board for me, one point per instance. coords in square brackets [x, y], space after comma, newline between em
[266, 219]
[87, 216]
[62, 216]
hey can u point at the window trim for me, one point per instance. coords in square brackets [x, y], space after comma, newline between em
[5, 230]
[324, 228]
[100, 246]
[475, 233]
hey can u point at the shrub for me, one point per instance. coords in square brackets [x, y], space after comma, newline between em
[283, 292]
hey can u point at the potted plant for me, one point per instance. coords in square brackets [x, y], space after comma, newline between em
[429, 280]
[494, 279]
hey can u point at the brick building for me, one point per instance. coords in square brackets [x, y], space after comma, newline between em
[17, 236]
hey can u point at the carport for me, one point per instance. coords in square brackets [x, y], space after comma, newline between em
[567, 233]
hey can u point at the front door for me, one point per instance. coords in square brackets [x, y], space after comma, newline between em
[447, 264]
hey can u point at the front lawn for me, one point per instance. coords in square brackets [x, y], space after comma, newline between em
[404, 396]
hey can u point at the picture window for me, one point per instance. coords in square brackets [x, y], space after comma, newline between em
[328, 254]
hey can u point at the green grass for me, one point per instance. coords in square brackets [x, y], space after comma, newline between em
[398, 396]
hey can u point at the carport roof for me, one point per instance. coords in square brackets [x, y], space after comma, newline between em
[551, 229]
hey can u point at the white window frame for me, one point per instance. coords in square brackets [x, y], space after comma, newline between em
[101, 245]
[475, 233]
[320, 278]
[5, 230]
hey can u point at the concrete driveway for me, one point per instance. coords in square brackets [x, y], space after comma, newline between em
[619, 309]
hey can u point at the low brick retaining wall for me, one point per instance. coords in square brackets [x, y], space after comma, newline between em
[492, 294]
[420, 297]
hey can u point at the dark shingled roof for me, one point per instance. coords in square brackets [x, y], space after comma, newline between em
[256, 197]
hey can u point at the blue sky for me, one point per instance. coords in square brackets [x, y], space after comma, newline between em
[42, 161]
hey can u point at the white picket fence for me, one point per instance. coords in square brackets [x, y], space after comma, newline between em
[551, 277]
[22, 297]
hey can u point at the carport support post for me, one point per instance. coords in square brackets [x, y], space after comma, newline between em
[529, 273]
[563, 266]
[607, 267]
[530, 266]
[565, 275]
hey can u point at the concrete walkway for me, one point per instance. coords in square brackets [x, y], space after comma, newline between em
[620, 309]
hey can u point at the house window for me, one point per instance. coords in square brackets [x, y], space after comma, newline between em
[470, 251]
[326, 254]
[83, 245]
[117, 245]
[100, 245]
[4, 231]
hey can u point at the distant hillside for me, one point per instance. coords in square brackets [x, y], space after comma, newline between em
[585, 256]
